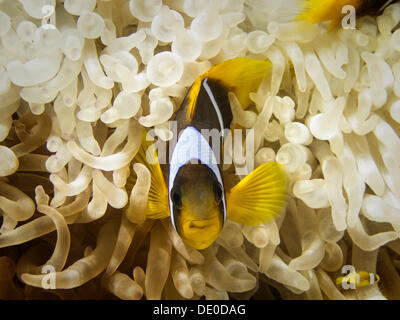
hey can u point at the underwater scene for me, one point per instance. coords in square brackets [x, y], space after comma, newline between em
[199, 149]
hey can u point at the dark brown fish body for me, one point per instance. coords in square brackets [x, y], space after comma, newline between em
[199, 184]
[205, 115]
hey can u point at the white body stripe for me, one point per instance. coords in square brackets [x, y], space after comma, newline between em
[215, 105]
[192, 145]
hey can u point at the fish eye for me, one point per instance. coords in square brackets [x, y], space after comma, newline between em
[176, 196]
[218, 192]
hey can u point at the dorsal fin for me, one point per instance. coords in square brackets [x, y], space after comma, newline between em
[240, 75]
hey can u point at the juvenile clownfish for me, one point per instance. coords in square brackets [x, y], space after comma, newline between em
[359, 279]
[316, 11]
[193, 194]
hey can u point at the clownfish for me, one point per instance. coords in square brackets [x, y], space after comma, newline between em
[359, 279]
[191, 188]
[316, 11]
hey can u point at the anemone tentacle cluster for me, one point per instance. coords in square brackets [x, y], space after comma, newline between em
[81, 80]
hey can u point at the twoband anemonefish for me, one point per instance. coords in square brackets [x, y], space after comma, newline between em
[359, 279]
[316, 11]
[194, 194]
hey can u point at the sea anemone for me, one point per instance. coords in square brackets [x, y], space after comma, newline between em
[81, 80]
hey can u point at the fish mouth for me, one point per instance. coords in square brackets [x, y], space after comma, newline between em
[200, 224]
[200, 233]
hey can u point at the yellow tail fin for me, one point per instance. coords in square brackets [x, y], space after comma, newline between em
[157, 203]
[258, 197]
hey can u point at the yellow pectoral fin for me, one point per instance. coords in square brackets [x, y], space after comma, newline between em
[258, 197]
[157, 203]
